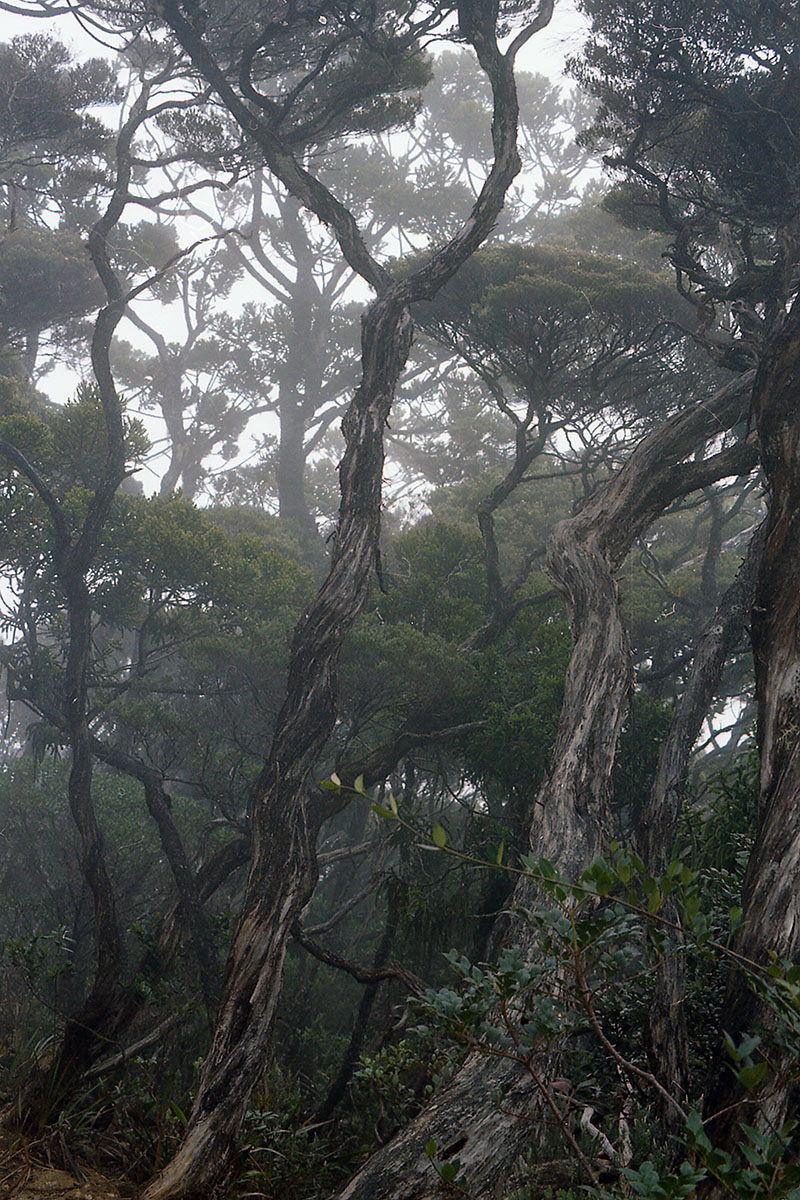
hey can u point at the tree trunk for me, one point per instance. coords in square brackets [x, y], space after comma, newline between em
[92, 1025]
[192, 911]
[283, 870]
[668, 1049]
[187, 885]
[484, 1116]
[88, 1026]
[300, 380]
[74, 551]
[172, 405]
[345, 1073]
[153, 964]
[291, 465]
[771, 893]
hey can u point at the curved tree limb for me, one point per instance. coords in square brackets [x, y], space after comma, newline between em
[572, 814]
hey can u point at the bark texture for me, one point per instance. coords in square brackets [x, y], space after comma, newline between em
[771, 892]
[283, 869]
[484, 1117]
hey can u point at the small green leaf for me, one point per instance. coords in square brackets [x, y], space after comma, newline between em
[499, 855]
[430, 1148]
[694, 1122]
[180, 1114]
[386, 813]
[751, 1077]
[439, 836]
[358, 786]
[393, 803]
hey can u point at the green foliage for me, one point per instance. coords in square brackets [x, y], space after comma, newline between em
[192, 612]
[522, 688]
[46, 946]
[590, 934]
[66, 444]
[45, 95]
[399, 1078]
[281, 1154]
[565, 328]
[764, 1171]
[718, 825]
[644, 729]
[53, 160]
[435, 580]
[46, 280]
[648, 1183]
[706, 78]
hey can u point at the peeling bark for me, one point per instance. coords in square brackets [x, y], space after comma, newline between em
[485, 1115]
[283, 869]
[771, 891]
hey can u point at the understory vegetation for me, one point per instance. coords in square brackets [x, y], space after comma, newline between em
[400, 535]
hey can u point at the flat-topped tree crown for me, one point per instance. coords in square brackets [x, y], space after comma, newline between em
[310, 72]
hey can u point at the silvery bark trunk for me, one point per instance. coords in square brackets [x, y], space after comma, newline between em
[283, 870]
[484, 1117]
[770, 922]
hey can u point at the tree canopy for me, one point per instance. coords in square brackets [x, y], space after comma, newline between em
[399, 485]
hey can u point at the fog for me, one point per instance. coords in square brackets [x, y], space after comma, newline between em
[399, 460]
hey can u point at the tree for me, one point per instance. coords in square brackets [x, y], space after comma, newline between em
[727, 193]
[74, 520]
[52, 153]
[553, 335]
[572, 814]
[190, 382]
[279, 821]
[295, 355]
[342, 84]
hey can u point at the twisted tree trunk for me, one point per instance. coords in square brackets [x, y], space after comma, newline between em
[771, 893]
[484, 1116]
[283, 869]
[74, 551]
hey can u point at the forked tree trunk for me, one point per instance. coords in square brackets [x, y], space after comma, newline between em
[283, 870]
[484, 1116]
[771, 893]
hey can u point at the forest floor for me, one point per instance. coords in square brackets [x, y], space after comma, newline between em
[24, 1175]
